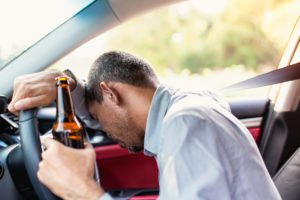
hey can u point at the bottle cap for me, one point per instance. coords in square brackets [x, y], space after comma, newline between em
[62, 80]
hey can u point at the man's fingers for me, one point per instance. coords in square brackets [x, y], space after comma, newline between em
[33, 90]
[30, 102]
[49, 142]
[16, 96]
[33, 95]
[11, 108]
[87, 145]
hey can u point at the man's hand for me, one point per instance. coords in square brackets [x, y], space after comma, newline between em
[69, 172]
[34, 90]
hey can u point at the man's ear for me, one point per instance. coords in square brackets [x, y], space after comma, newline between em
[110, 93]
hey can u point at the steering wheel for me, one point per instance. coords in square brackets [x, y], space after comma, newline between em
[31, 148]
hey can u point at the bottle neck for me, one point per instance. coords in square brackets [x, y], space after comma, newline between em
[64, 106]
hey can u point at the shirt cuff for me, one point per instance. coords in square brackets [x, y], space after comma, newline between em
[105, 196]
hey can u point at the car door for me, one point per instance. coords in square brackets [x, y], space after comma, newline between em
[272, 121]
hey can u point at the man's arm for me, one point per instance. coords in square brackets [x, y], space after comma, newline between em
[69, 172]
[39, 89]
[34, 90]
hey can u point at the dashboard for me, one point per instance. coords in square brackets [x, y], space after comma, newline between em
[9, 129]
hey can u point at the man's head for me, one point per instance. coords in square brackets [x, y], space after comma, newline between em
[119, 92]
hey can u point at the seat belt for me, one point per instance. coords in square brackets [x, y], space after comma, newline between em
[288, 73]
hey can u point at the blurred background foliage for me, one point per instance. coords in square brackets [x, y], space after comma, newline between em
[244, 33]
[201, 44]
[195, 44]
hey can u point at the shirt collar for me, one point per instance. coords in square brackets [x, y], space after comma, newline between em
[157, 112]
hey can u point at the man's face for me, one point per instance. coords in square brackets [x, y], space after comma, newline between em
[118, 124]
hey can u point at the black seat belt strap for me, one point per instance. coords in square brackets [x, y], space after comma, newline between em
[288, 73]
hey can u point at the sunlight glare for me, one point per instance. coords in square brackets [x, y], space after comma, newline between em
[24, 22]
[210, 7]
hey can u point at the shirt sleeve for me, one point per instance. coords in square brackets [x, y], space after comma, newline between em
[189, 162]
[106, 196]
[78, 98]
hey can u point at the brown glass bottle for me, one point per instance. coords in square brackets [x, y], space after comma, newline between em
[67, 129]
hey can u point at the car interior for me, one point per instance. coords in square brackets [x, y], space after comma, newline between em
[273, 121]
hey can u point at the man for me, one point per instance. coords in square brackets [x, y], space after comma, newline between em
[202, 150]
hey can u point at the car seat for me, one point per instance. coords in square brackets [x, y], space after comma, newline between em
[287, 179]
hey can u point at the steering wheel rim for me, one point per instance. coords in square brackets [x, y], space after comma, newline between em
[31, 148]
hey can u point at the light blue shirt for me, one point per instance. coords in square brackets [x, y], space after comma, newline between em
[202, 150]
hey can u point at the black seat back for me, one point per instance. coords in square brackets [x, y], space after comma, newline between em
[287, 179]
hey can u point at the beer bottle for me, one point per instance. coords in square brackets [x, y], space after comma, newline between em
[66, 129]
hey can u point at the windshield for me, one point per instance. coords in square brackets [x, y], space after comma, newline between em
[198, 45]
[19, 20]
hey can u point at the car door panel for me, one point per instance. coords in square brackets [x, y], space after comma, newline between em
[281, 139]
[255, 132]
[120, 169]
[251, 112]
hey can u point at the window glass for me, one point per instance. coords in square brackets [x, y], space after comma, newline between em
[197, 45]
[19, 19]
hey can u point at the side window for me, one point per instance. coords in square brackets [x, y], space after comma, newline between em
[196, 44]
